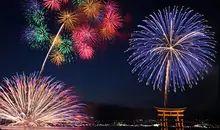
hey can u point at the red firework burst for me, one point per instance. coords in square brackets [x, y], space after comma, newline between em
[112, 20]
[84, 34]
[85, 52]
[52, 4]
[65, 1]
[111, 6]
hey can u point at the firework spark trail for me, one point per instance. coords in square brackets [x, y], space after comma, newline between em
[166, 82]
[173, 49]
[39, 101]
[51, 47]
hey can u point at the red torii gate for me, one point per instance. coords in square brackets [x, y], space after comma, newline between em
[163, 113]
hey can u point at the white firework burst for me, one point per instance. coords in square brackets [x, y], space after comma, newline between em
[39, 101]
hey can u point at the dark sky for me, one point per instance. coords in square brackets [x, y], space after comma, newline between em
[108, 78]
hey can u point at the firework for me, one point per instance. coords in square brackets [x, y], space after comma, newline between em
[52, 4]
[41, 34]
[36, 37]
[39, 101]
[80, 2]
[66, 48]
[30, 4]
[174, 48]
[57, 58]
[37, 33]
[70, 57]
[34, 13]
[107, 33]
[57, 42]
[92, 8]
[85, 51]
[84, 34]
[97, 20]
[65, 1]
[91, 22]
[69, 19]
[111, 6]
[66, 45]
[112, 20]
[51, 48]
[35, 16]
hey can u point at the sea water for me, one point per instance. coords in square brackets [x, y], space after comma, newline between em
[96, 128]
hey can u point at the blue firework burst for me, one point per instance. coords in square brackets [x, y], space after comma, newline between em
[172, 49]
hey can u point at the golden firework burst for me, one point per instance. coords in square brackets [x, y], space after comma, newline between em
[57, 41]
[107, 33]
[68, 18]
[57, 58]
[92, 8]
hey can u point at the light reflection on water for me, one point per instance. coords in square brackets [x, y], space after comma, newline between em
[43, 128]
[78, 128]
[91, 128]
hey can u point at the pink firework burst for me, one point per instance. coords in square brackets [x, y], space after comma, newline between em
[85, 51]
[53, 4]
[112, 20]
[111, 6]
[84, 34]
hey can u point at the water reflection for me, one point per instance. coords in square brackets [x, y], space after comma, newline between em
[96, 128]
[39, 128]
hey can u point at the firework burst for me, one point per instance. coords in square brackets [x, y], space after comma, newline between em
[66, 48]
[57, 42]
[35, 16]
[92, 8]
[174, 48]
[85, 51]
[41, 34]
[84, 34]
[91, 22]
[52, 4]
[56, 57]
[112, 20]
[65, 1]
[69, 19]
[39, 101]
[36, 37]
[107, 33]
[111, 6]
[66, 45]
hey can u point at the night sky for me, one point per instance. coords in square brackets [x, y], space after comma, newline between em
[107, 78]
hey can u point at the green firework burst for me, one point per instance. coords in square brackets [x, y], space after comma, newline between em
[41, 34]
[66, 49]
[66, 45]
